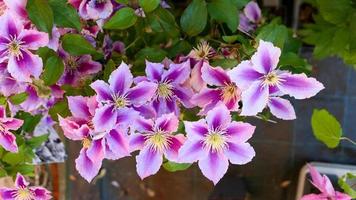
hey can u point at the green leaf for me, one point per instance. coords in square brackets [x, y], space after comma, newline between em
[225, 63]
[3, 172]
[53, 70]
[60, 108]
[15, 158]
[149, 5]
[346, 182]
[333, 11]
[277, 34]
[173, 167]
[122, 1]
[30, 122]
[77, 45]
[3, 101]
[109, 67]
[161, 20]
[240, 3]
[224, 11]
[40, 14]
[194, 17]
[123, 19]
[292, 62]
[326, 128]
[18, 98]
[45, 53]
[36, 142]
[65, 15]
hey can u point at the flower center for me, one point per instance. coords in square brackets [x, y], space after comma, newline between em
[229, 92]
[165, 90]
[86, 143]
[271, 79]
[24, 194]
[216, 141]
[203, 51]
[158, 141]
[14, 47]
[120, 102]
[71, 63]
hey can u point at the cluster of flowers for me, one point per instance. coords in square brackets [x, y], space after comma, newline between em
[142, 113]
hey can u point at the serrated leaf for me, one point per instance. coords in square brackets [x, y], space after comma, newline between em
[40, 14]
[225, 63]
[326, 128]
[60, 108]
[77, 45]
[173, 167]
[53, 70]
[161, 20]
[36, 142]
[64, 14]
[194, 17]
[149, 5]
[122, 19]
[30, 121]
[224, 11]
[18, 98]
[277, 34]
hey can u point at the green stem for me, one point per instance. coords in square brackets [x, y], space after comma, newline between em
[348, 139]
[132, 43]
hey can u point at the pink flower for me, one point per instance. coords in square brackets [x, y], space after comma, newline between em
[250, 17]
[262, 84]
[95, 9]
[324, 185]
[216, 140]
[22, 191]
[8, 139]
[154, 139]
[16, 44]
[17, 7]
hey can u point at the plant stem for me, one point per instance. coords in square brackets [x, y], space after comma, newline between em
[348, 139]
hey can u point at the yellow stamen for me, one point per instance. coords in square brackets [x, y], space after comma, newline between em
[158, 141]
[216, 141]
[24, 194]
[271, 79]
[86, 143]
[203, 51]
[164, 90]
[229, 92]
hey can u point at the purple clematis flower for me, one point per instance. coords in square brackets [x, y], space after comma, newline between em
[262, 84]
[77, 68]
[8, 139]
[250, 17]
[170, 89]
[224, 90]
[95, 9]
[17, 7]
[9, 85]
[22, 191]
[324, 185]
[112, 144]
[117, 98]
[155, 138]
[16, 44]
[214, 141]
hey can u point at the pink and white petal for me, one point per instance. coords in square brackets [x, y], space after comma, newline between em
[126, 116]
[86, 167]
[18, 7]
[7, 193]
[33, 39]
[215, 76]
[25, 66]
[239, 132]
[176, 142]
[196, 130]
[184, 95]
[78, 107]
[102, 90]
[141, 93]
[41, 193]
[9, 26]
[143, 125]
[214, 166]
[20, 181]
[219, 117]
[243, 75]
[137, 141]
[87, 67]
[53, 42]
[72, 130]
[121, 79]
[205, 96]
[117, 141]
[196, 81]
[148, 162]
[105, 118]
[314, 197]
[299, 86]
[328, 187]
[11, 123]
[192, 151]
[317, 179]
[96, 151]
[177, 73]
[254, 99]
[154, 71]
[266, 58]
[240, 154]
[342, 196]
[167, 123]
[253, 12]
[100, 11]
[8, 141]
[281, 108]
[2, 112]
[75, 3]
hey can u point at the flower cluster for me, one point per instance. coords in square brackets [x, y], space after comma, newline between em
[142, 114]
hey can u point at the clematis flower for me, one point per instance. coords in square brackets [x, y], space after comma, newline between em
[95, 9]
[117, 98]
[250, 17]
[16, 44]
[111, 144]
[155, 139]
[214, 141]
[22, 191]
[262, 84]
[9, 85]
[7, 139]
[17, 7]
[224, 90]
[110, 47]
[170, 89]
[77, 68]
[324, 185]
